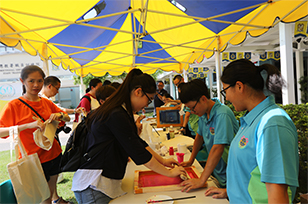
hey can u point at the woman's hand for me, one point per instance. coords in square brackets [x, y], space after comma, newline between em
[36, 124]
[186, 164]
[176, 171]
[216, 192]
[170, 162]
[139, 124]
[55, 116]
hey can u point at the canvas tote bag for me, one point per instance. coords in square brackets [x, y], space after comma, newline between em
[26, 174]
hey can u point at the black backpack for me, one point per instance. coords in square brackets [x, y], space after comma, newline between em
[75, 151]
[87, 97]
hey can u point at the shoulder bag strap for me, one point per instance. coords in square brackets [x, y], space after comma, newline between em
[32, 109]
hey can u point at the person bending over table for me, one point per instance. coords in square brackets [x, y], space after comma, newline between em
[217, 127]
[112, 127]
[263, 157]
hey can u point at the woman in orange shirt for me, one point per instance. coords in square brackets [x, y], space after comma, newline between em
[16, 113]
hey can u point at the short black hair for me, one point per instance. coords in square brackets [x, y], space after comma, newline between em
[106, 82]
[53, 80]
[193, 91]
[115, 84]
[94, 82]
[104, 92]
[159, 82]
[179, 77]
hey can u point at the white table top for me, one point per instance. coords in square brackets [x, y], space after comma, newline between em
[130, 197]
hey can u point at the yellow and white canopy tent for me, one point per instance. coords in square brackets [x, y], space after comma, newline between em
[99, 36]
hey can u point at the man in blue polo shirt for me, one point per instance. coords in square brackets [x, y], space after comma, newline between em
[217, 127]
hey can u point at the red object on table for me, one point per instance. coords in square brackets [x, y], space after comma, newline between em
[171, 151]
[180, 157]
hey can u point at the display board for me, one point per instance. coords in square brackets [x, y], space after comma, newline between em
[167, 116]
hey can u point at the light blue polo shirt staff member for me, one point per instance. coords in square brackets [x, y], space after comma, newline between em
[263, 157]
[217, 127]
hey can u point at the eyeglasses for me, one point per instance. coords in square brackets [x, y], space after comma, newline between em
[150, 100]
[193, 108]
[223, 92]
[56, 87]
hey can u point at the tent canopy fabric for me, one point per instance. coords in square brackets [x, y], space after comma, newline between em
[126, 34]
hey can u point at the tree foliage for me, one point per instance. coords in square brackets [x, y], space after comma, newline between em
[107, 76]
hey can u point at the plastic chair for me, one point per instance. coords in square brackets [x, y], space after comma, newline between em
[7, 194]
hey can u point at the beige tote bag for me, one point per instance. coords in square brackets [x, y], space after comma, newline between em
[26, 174]
[45, 139]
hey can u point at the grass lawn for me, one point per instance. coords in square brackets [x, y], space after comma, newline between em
[63, 188]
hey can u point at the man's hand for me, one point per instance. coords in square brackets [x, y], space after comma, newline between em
[192, 184]
[216, 192]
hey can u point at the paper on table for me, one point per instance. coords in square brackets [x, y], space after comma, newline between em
[45, 140]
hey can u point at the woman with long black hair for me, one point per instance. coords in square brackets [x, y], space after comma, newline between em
[112, 127]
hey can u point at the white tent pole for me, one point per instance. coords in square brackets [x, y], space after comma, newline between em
[82, 87]
[210, 76]
[185, 75]
[286, 62]
[299, 72]
[172, 93]
[218, 71]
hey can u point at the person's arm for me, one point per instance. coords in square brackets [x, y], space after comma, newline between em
[160, 97]
[186, 119]
[5, 131]
[139, 124]
[156, 166]
[216, 192]
[169, 100]
[212, 161]
[277, 193]
[77, 110]
[166, 162]
[196, 147]
[59, 116]
[86, 104]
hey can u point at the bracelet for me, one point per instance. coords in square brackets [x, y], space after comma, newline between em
[75, 110]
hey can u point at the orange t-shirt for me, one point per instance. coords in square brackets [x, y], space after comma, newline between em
[17, 113]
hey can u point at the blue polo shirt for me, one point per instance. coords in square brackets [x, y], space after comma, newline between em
[265, 149]
[220, 128]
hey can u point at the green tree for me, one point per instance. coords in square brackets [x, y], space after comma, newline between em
[303, 81]
[87, 79]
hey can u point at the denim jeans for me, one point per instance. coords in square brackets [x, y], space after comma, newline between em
[89, 196]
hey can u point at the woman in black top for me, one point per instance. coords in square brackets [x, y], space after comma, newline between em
[113, 128]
